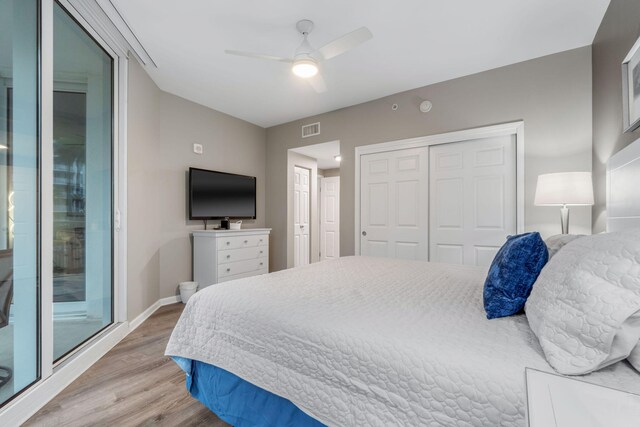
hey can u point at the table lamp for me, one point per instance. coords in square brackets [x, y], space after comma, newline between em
[564, 189]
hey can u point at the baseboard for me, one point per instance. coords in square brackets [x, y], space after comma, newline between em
[143, 316]
[152, 309]
[32, 400]
[170, 300]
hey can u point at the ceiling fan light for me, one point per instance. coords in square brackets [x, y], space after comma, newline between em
[304, 68]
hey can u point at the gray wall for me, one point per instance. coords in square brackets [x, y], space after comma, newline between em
[618, 31]
[551, 94]
[162, 130]
[143, 224]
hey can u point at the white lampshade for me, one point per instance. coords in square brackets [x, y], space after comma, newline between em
[567, 188]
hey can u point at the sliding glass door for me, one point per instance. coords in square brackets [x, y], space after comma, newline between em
[19, 199]
[82, 185]
[58, 97]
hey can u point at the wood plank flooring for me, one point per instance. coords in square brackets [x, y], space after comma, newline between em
[132, 385]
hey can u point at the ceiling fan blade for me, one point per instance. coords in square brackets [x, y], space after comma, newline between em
[257, 56]
[345, 43]
[317, 83]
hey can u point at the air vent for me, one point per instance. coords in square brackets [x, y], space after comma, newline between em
[311, 130]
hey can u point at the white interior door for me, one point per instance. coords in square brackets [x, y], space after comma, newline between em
[472, 199]
[301, 206]
[393, 204]
[330, 218]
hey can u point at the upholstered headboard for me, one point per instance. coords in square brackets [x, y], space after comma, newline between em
[623, 189]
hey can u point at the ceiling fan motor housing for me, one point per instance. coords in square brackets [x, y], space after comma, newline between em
[304, 50]
[304, 26]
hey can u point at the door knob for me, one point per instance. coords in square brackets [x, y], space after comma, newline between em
[301, 226]
[364, 233]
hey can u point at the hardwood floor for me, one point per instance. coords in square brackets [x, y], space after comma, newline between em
[132, 385]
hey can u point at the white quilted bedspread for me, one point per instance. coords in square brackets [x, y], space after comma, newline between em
[373, 342]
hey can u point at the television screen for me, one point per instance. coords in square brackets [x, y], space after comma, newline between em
[219, 195]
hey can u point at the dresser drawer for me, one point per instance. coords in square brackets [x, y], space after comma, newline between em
[242, 275]
[235, 242]
[240, 267]
[233, 255]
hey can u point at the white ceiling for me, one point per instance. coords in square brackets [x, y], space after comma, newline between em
[415, 43]
[324, 153]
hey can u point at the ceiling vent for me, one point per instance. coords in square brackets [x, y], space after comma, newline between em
[311, 130]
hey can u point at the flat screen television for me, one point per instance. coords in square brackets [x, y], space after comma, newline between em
[220, 195]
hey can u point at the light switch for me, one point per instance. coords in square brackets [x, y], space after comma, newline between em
[197, 148]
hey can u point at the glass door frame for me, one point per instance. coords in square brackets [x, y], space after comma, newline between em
[71, 84]
[119, 80]
[54, 377]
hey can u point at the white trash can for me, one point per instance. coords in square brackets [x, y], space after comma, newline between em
[187, 289]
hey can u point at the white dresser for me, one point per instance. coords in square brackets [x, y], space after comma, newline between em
[223, 255]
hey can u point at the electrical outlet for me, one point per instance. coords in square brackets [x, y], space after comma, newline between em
[197, 148]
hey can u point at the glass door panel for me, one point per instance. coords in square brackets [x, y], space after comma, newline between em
[19, 199]
[82, 187]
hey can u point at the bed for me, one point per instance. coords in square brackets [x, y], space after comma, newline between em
[371, 341]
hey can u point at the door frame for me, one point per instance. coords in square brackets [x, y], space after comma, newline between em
[507, 129]
[119, 56]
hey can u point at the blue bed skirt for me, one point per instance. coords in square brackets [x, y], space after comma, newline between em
[238, 402]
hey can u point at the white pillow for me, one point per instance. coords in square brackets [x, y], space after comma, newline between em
[634, 357]
[585, 305]
[555, 243]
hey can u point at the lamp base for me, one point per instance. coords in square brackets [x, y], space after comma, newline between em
[564, 219]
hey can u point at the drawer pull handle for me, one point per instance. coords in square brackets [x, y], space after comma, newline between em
[261, 263]
[228, 270]
[228, 243]
[228, 256]
[246, 241]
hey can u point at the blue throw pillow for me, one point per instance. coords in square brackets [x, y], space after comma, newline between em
[512, 274]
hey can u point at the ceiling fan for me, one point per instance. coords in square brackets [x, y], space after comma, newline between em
[306, 59]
